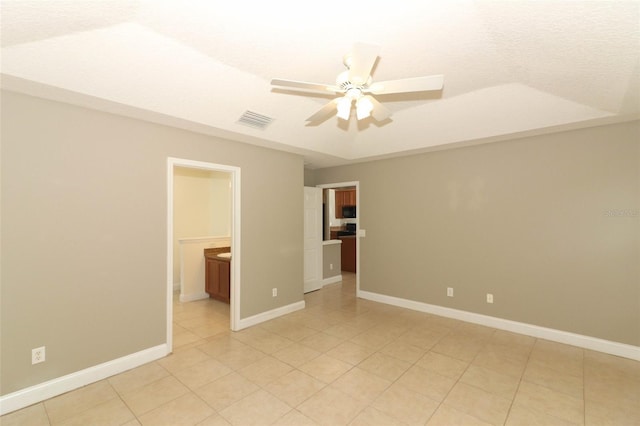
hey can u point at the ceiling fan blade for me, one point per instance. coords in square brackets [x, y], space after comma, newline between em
[379, 112]
[361, 61]
[324, 112]
[303, 85]
[417, 84]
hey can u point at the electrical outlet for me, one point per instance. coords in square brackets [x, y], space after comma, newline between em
[331, 266]
[274, 292]
[37, 355]
[489, 298]
[450, 291]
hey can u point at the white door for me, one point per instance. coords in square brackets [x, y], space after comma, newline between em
[312, 238]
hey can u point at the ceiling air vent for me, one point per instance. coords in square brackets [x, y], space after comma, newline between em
[253, 119]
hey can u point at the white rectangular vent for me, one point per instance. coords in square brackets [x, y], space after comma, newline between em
[253, 119]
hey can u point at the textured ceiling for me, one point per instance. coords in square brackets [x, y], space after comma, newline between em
[511, 68]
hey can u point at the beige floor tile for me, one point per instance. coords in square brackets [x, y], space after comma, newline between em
[540, 374]
[265, 370]
[202, 373]
[238, 357]
[403, 351]
[153, 395]
[138, 377]
[342, 331]
[519, 416]
[258, 408]
[447, 416]
[600, 365]
[405, 405]
[269, 342]
[385, 366]
[182, 359]
[459, 347]
[210, 329]
[361, 384]
[611, 414]
[373, 417]
[296, 354]
[133, 422]
[184, 411]
[491, 381]
[294, 387]
[35, 415]
[113, 412]
[556, 356]
[499, 359]
[478, 403]
[185, 338]
[350, 352]
[325, 368]
[75, 402]
[223, 392]
[615, 392]
[425, 382]
[344, 408]
[321, 342]
[214, 420]
[520, 342]
[372, 339]
[422, 338]
[443, 364]
[294, 418]
[289, 329]
[544, 400]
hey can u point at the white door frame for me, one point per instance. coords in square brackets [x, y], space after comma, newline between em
[359, 210]
[235, 238]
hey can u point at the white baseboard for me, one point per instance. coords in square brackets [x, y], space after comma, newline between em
[49, 389]
[332, 280]
[579, 340]
[266, 316]
[194, 296]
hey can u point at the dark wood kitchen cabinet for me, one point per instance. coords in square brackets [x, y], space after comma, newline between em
[217, 278]
[344, 197]
[348, 254]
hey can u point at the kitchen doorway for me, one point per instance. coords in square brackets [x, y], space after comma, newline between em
[353, 221]
[172, 164]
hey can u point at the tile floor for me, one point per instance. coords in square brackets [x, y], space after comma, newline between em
[346, 361]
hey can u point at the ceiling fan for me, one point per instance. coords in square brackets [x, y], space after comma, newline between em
[355, 85]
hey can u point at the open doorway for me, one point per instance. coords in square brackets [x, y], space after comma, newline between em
[174, 164]
[341, 213]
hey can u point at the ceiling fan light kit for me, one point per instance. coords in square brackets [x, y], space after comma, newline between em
[356, 83]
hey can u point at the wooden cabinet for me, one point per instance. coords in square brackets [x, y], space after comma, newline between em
[348, 254]
[217, 278]
[344, 197]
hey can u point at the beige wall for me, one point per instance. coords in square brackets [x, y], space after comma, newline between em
[84, 233]
[331, 255]
[201, 207]
[527, 220]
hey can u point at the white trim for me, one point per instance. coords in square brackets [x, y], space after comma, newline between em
[191, 297]
[331, 280]
[269, 315]
[331, 242]
[579, 340]
[49, 389]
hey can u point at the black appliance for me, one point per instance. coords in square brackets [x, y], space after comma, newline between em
[350, 230]
[349, 212]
